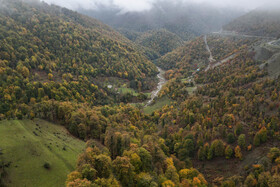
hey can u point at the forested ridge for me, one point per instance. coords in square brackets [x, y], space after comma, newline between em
[261, 22]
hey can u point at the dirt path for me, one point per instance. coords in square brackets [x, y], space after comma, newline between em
[274, 43]
[212, 62]
[211, 59]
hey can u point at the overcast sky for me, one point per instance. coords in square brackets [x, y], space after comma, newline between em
[139, 5]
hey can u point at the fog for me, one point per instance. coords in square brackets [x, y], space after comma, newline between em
[141, 5]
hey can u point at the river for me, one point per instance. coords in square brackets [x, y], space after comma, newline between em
[161, 82]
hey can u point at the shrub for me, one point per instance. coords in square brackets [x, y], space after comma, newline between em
[47, 165]
[274, 153]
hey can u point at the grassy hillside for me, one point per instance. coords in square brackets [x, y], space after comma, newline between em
[27, 145]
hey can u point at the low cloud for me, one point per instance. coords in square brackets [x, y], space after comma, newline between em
[140, 5]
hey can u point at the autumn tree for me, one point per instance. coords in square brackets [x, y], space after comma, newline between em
[171, 172]
[238, 153]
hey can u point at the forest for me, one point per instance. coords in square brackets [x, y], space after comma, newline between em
[161, 41]
[221, 128]
[250, 23]
[233, 116]
[36, 64]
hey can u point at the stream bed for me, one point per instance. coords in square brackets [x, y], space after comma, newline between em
[161, 82]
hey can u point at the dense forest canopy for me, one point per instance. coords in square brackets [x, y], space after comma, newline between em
[232, 118]
[161, 41]
[49, 52]
[220, 128]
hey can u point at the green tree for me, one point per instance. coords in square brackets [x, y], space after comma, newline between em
[144, 180]
[230, 138]
[242, 141]
[146, 159]
[171, 174]
[103, 165]
[218, 148]
[123, 170]
[136, 162]
[88, 172]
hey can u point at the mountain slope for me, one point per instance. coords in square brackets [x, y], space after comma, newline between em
[191, 54]
[262, 22]
[93, 47]
[162, 41]
[48, 52]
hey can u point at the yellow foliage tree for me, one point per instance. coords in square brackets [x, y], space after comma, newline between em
[238, 153]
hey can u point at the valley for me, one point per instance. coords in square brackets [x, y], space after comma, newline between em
[155, 98]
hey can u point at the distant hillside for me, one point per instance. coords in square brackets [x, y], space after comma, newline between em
[260, 22]
[162, 41]
[184, 19]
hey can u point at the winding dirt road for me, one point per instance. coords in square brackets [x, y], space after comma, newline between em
[211, 59]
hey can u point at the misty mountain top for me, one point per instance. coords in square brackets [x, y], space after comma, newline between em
[141, 5]
[186, 20]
